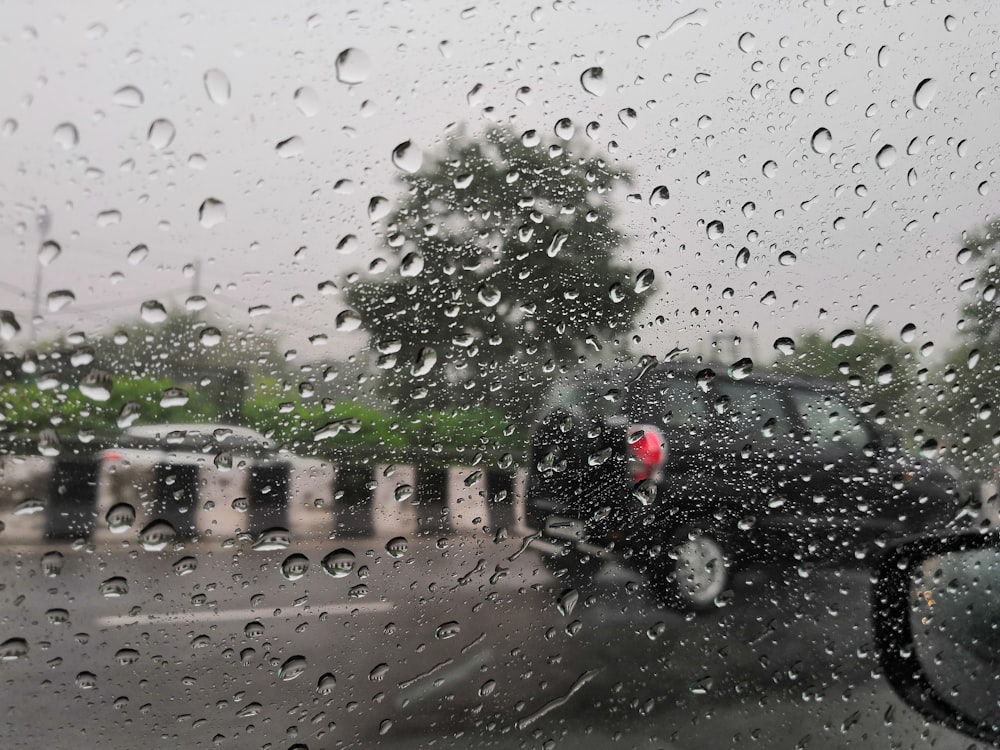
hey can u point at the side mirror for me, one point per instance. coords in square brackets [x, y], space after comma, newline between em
[936, 605]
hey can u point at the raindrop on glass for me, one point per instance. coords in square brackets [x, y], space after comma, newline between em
[353, 66]
[593, 81]
[217, 86]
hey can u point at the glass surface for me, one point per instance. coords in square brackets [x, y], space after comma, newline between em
[323, 325]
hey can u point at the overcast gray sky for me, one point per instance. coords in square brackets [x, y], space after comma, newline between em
[703, 104]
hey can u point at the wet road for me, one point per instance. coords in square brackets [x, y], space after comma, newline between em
[459, 641]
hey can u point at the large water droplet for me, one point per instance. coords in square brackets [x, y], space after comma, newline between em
[644, 280]
[326, 684]
[447, 630]
[274, 538]
[353, 66]
[48, 252]
[96, 385]
[566, 602]
[128, 96]
[424, 362]
[715, 229]
[844, 338]
[339, 563]
[347, 320]
[161, 133]
[924, 94]
[886, 156]
[785, 345]
[153, 311]
[628, 117]
[822, 141]
[659, 196]
[488, 295]
[741, 368]
[294, 567]
[407, 157]
[210, 336]
[592, 80]
[29, 506]
[564, 128]
[211, 212]
[156, 535]
[120, 518]
[307, 101]
[293, 667]
[747, 42]
[411, 264]
[9, 327]
[217, 86]
[556, 244]
[378, 208]
[113, 587]
[137, 255]
[397, 546]
[66, 135]
[290, 147]
[59, 299]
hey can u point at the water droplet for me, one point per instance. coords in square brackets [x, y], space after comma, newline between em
[86, 680]
[211, 212]
[930, 448]
[275, 538]
[715, 229]
[566, 602]
[741, 368]
[294, 567]
[844, 338]
[797, 95]
[556, 245]
[9, 327]
[924, 93]
[659, 196]
[747, 42]
[411, 265]
[292, 668]
[307, 101]
[210, 336]
[290, 147]
[488, 295]
[96, 385]
[644, 280]
[628, 117]
[9, 127]
[185, 566]
[403, 493]
[56, 617]
[66, 135]
[350, 425]
[156, 535]
[822, 141]
[59, 299]
[250, 710]
[29, 506]
[564, 128]
[397, 546]
[424, 362]
[886, 156]
[13, 648]
[769, 169]
[908, 333]
[128, 96]
[787, 258]
[253, 629]
[785, 345]
[592, 80]
[983, 188]
[326, 684]
[950, 23]
[137, 254]
[347, 320]
[407, 157]
[884, 375]
[129, 413]
[48, 252]
[447, 630]
[616, 292]
[153, 311]
[339, 563]
[126, 656]
[52, 564]
[353, 66]
[378, 208]
[378, 672]
[217, 86]
[161, 134]
[114, 587]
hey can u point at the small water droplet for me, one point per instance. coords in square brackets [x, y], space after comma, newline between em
[564, 128]
[52, 564]
[210, 336]
[715, 229]
[326, 684]
[96, 385]
[644, 280]
[424, 362]
[211, 212]
[114, 587]
[272, 539]
[217, 86]
[353, 66]
[185, 566]
[59, 299]
[397, 546]
[48, 252]
[844, 338]
[153, 311]
[567, 602]
[747, 42]
[797, 95]
[347, 320]
[628, 117]
[403, 493]
[592, 80]
[411, 265]
[785, 345]
[488, 295]
[161, 133]
[447, 630]
[9, 327]
[787, 258]
[769, 169]
[741, 368]
[378, 208]
[86, 680]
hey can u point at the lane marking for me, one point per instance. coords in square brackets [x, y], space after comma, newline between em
[210, 615]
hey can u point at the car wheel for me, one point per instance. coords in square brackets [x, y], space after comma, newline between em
[693, 573]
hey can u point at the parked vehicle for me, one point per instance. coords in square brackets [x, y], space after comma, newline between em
[688, 473]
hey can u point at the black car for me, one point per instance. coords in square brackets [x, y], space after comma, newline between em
[688, 472]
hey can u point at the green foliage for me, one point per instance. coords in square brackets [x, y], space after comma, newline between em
[503, 271]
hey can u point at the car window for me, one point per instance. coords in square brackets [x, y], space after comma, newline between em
[830, 423]
[432, 375]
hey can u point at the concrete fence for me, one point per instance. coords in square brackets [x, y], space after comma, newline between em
[68, 498]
